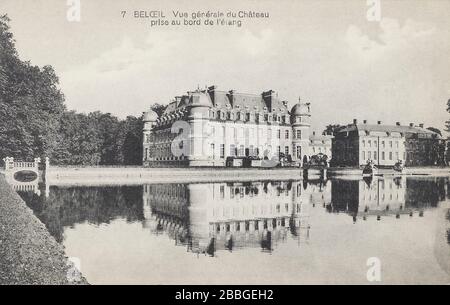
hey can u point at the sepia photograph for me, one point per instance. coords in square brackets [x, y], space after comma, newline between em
[201, 144]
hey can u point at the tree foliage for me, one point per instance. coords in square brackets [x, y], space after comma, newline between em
[34, 121]
[158, 108]
[433, 129]
[331, 129]
[447, 123]
[31, 103]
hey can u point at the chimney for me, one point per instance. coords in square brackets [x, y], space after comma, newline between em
[212, 93]
[379, 122]
[421, 125]
[397, 123]
[269, 93]
[355, 121]
[268, 97]
[411, 124]
[365, 121]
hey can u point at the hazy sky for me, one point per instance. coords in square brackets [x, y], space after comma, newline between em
[327, 52]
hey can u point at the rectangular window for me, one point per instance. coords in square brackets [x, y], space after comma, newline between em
[241, 151]
[278, 150]
[232, 150]
[299, 152]
[382, 156]
[222, 151]
[363, 144]
[286, 134]
[279, 134]
[286, 150]
[390, 155]
[396, 155]
[364, 155]
[222, 191]
[370, 155]
[383, 144]
[251, 150]
[390, 144]
[269, 134]
[375, 155]
[299, 134]
[396, 144]
[369, 144]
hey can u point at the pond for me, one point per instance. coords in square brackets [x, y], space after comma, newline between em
[277, 232]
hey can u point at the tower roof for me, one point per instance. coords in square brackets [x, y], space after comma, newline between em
[300, 109]
[150, 116]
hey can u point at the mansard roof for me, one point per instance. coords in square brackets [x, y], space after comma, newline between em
[388, 129]
[211, 97]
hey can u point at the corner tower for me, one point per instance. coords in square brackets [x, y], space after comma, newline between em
[301, 123]
[149, 119]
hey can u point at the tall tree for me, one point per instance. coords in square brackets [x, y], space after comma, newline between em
[80, 141]
[130, 141]
[447, 123]
[31, 103]
[330, 129]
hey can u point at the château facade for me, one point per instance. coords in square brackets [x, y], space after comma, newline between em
[206, 127]
[384, 145]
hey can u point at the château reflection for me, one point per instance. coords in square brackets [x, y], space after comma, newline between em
[210, 217]
[381, 197]
[226, 216]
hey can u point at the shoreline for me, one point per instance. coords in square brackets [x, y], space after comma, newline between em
[28, 253]
[140, 175]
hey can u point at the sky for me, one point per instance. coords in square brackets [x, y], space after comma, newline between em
[326, 52]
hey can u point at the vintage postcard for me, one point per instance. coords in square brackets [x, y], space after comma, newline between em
[224, 143]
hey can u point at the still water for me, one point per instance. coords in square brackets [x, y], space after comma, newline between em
[278, 232]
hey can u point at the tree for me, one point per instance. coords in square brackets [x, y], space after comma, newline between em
[130, 141]
[435, 130]
[31, 103]
[331, 129]
[158, 108]
[80, 141]
[447, 123]
[34, 121]
[108, 128]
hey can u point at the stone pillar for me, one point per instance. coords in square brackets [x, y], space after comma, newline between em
[36, 163]
[9, 163]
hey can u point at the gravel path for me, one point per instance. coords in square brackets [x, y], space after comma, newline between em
[28, 253]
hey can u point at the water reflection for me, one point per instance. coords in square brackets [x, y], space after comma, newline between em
[66, 206]
[297, 231]
[227, 216]
[209, 217]
[385, 197]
